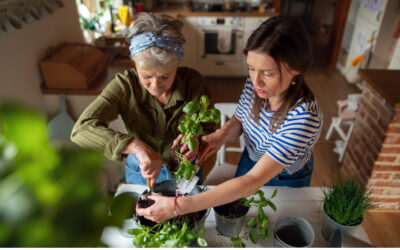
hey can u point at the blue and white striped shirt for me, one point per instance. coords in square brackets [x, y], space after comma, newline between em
[292, 143]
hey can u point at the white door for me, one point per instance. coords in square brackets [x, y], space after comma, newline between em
[362, 33]
[372, 10]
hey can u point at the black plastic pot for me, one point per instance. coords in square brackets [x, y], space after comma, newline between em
[168, 188]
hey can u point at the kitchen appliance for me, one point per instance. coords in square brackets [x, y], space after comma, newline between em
[220, 45]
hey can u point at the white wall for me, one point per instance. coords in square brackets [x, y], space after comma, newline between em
[22, 50]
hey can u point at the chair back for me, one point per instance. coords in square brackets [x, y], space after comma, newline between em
[227, 110]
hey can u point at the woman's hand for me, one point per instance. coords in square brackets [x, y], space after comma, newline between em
[190, 155]
[211, 144]
[150, 161]
[161, 210]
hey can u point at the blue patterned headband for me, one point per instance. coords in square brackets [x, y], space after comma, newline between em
[146, 40]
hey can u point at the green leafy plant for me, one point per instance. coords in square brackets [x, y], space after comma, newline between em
[346, 201]
[259, 225]
[196, 113]
[49, 195]
[170, 234]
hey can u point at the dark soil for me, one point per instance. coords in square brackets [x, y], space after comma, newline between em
[234, 209]
[173, 164]
[147, 203]
[292, 236]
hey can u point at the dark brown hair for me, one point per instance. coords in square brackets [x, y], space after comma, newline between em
[286, 40]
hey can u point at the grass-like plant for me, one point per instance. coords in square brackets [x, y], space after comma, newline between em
[346, 201]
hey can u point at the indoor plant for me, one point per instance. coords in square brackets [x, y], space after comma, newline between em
[180, 231]
[196, 113]
[229, 218]
[344, 205]
[49, 196]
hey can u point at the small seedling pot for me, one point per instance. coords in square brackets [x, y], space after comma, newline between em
[229, 225]
[293, 231]
[329, 226]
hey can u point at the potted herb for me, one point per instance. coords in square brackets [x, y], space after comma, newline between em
[229, 218]
[185, 230]
[172, 233]
[196, 113]
[344, 205]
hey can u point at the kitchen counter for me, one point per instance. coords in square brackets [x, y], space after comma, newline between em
[179, 9]
[304, 202]
[385, 82]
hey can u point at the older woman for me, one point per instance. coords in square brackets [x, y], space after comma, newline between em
[278, 114]
[149, 98]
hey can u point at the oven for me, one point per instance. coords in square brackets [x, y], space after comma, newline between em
[220, 46]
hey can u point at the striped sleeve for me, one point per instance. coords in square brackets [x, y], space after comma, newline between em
[245, 100]
[294, 141]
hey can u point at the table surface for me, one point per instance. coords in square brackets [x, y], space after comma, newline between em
[303, 202]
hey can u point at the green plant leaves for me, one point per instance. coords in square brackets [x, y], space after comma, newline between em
[55, 188]
[252, 223]
[253, 237]
[263, 230]
[169, 234]
[346, 201]
[274, 193]
[201, 242]
[237, 242]
[191, 143]
[204, 102]
[191, 107]
[196, 113]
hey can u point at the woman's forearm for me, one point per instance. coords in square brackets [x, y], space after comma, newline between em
[265, 169]
[232, 129]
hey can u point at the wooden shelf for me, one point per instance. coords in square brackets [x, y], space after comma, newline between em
[176, 10]
[95, 88]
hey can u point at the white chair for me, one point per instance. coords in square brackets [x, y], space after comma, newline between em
[222, 170]
[347, 113]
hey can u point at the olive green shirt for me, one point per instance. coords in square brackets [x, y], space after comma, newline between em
[142, 114]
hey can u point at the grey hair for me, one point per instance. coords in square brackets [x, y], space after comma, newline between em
[158, 25]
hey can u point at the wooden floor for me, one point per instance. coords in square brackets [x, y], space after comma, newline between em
[328, 85]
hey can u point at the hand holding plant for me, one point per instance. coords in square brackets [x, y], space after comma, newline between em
[190, 127]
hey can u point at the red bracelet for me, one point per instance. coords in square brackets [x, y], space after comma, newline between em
[176, 198]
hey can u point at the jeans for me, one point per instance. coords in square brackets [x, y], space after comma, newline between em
[301, 178]
[134, 176]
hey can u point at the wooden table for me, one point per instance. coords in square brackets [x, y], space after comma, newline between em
[303, 202]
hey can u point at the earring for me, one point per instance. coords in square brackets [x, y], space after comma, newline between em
[293, 82]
